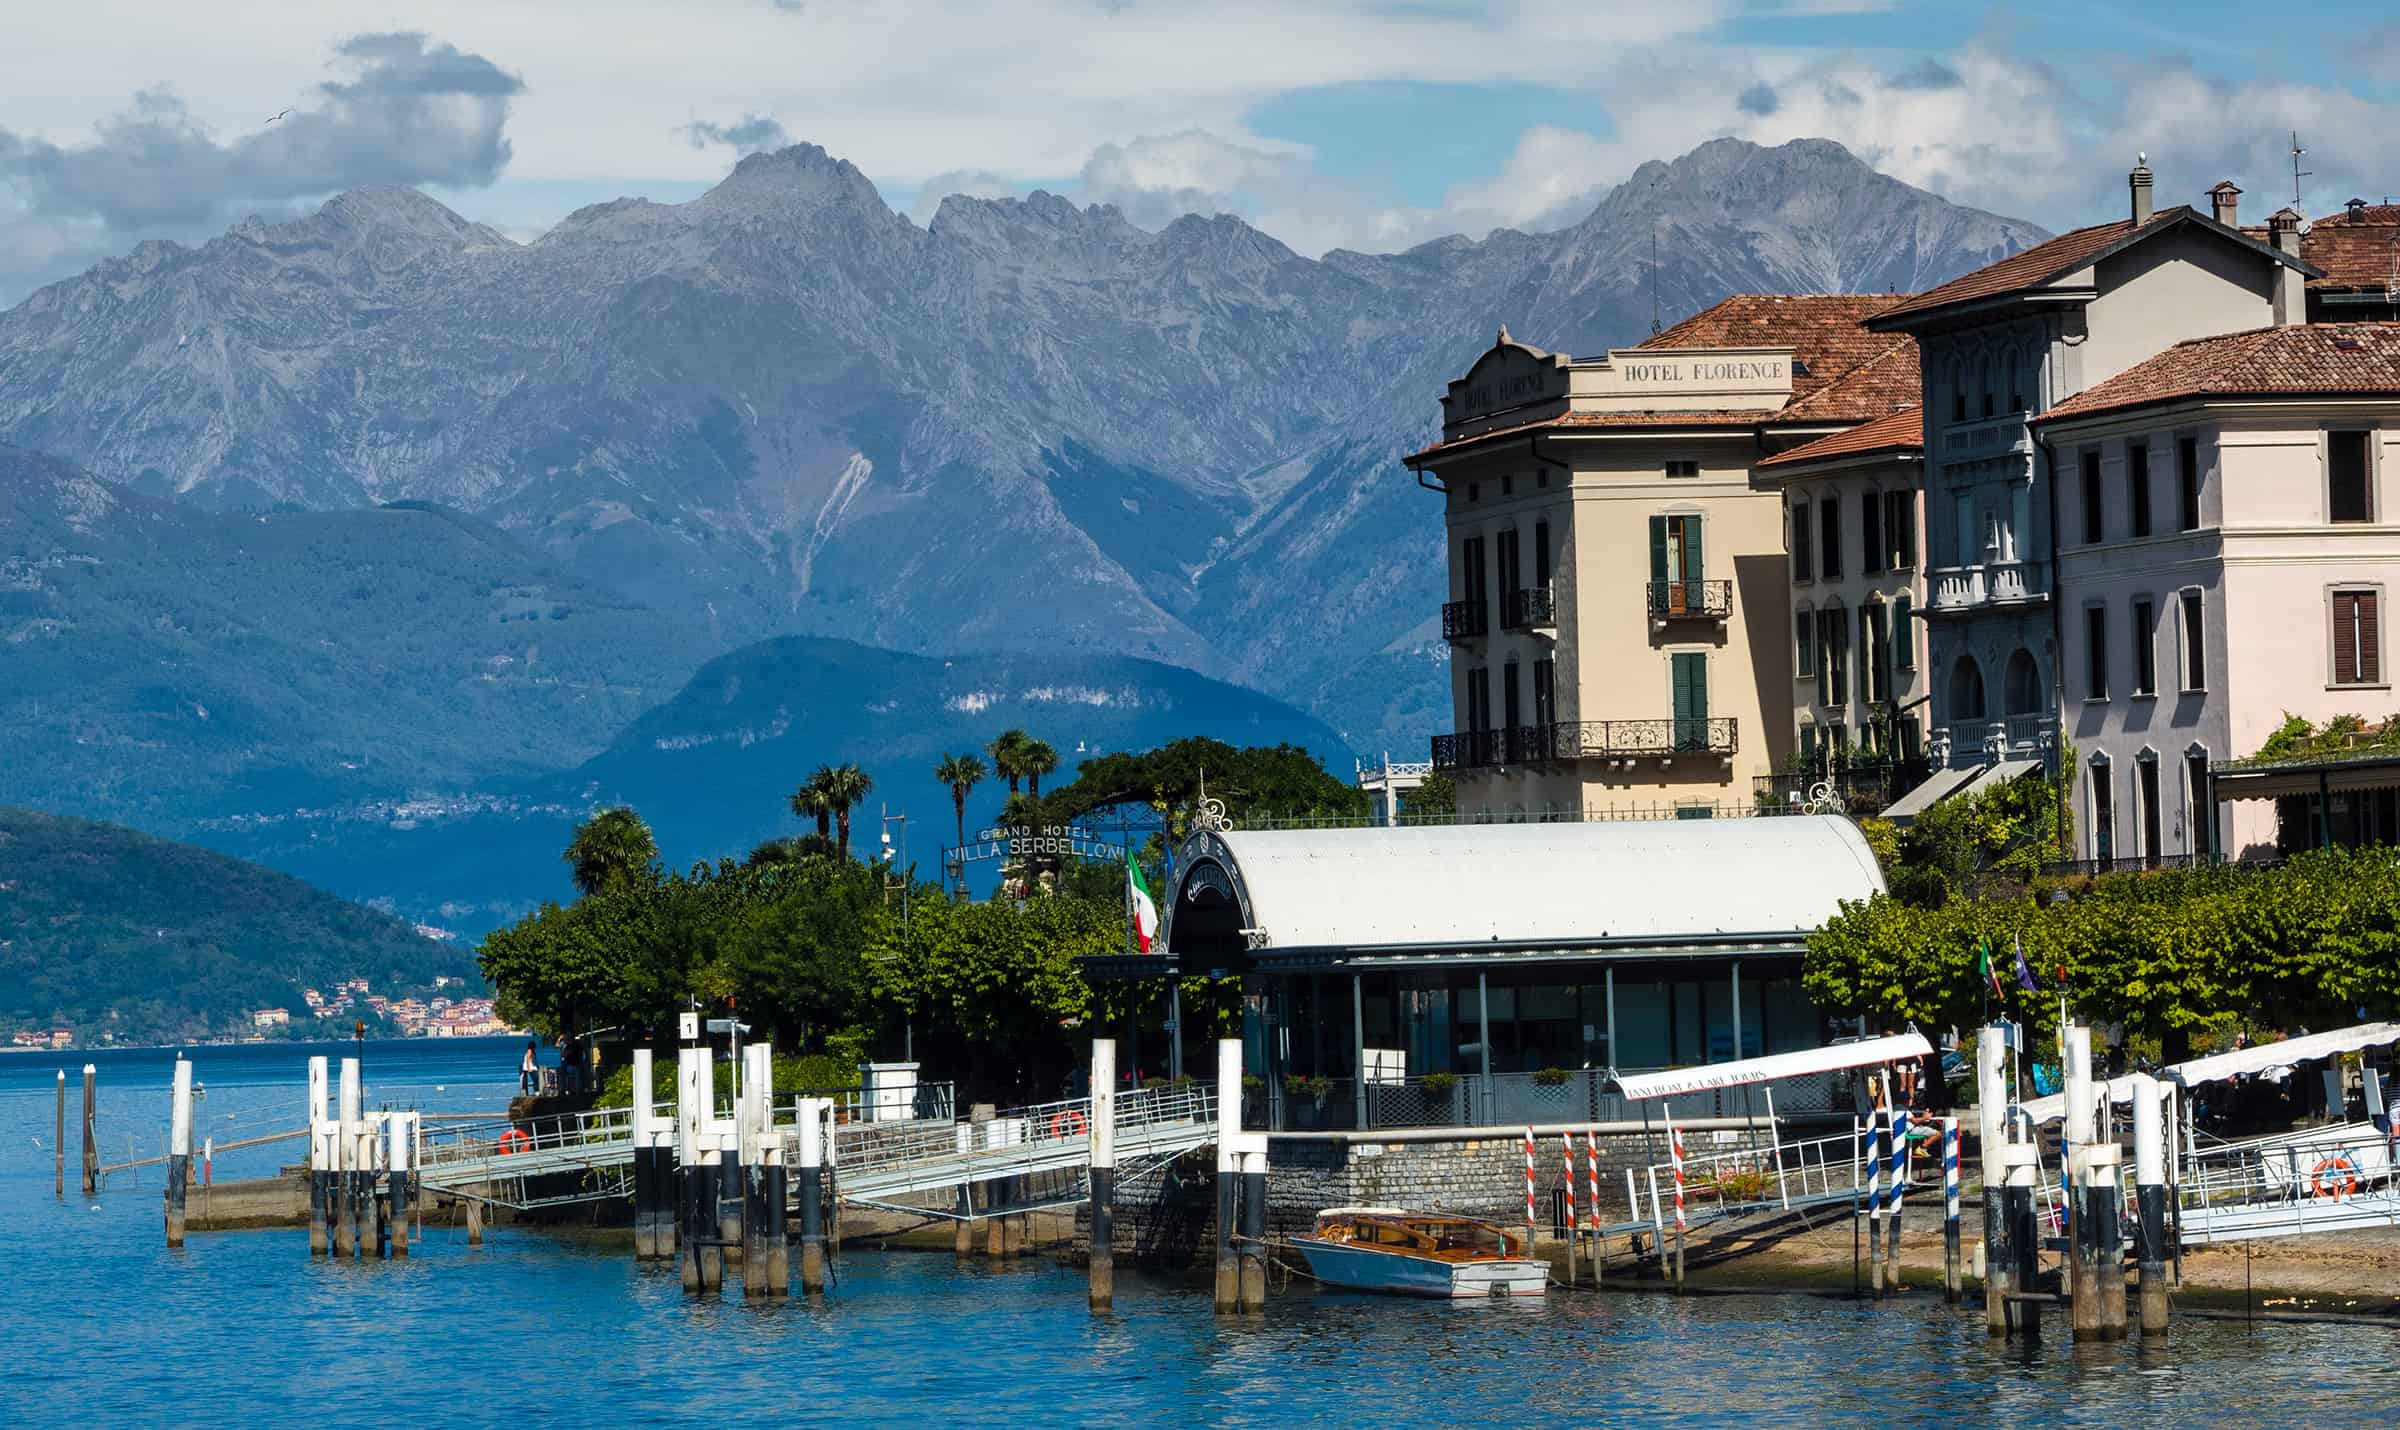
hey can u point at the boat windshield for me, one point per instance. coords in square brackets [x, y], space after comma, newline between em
[1475, 1238]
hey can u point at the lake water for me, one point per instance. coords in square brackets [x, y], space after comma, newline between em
[105, 1325]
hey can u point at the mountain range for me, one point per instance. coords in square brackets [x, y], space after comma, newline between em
[783, 408]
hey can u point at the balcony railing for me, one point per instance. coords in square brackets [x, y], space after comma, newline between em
[1476, 749]
[1466, 620]
[1628, 739]
[1863, 788]
[1533, 608]
[1996, 583]
[1690, 600]
[1512, 1100]
[1964, 744]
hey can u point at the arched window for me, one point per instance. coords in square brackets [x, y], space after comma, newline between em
[2016, 383]
[1904, 636]
[1983, 382]
[2024, 688]
[1958, 390]
[1966, 690]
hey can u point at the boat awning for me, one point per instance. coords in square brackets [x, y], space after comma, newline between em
[1866, 1052]
[2242, 1062]
[1996, 775]
[1937, 787]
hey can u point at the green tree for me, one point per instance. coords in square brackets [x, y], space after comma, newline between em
[611, 849]
[846, 787]
[1007, 751]
[1036, 758]
[1432, 802]
[813, 800]
[961, 773]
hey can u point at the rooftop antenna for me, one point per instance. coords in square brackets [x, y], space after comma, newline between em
[2298, 173]
[1654, 277]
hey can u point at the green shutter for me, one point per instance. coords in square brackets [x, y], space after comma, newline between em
[1692, 569]
[1658, 548]
[1903, 653]
[1691, 700]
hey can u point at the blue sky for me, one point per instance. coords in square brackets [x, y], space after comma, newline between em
[1327, 122]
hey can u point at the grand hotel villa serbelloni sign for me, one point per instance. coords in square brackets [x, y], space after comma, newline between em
[1513, 384]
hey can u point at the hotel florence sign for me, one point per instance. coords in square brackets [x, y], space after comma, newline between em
[1514, 383]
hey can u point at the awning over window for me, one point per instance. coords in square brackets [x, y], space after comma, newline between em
[1866, 1052]
[1938, 786]
[1997, 775]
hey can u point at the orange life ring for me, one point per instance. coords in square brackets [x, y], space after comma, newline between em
[2345, 1175]
[1069, 1123]
[514, 1140]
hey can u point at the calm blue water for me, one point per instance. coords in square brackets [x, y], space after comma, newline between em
[105, 1325]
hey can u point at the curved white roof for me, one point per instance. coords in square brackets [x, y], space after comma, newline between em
[1465, 884]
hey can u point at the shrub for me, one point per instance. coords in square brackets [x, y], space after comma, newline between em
[1550, 1077]
[1438, 1083]
[1316, 1089]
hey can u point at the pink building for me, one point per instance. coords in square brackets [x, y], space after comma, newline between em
[2229, 526]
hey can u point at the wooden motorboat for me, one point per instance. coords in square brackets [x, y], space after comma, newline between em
[1420, 1254]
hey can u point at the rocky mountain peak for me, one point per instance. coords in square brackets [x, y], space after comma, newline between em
[791, 181]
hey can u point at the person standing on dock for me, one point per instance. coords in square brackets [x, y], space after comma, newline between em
[529, 1072]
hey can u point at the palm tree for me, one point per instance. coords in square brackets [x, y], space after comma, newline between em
[1004, 750]
[962, 773]
[611, 849]
[846, 788]
[811, 801]
[1036, 759]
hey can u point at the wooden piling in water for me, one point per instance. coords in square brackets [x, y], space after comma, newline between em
[400, 1170]
[1254, 1223]
[474, 1222]
[2021, 1167]
[1103, 1132]
[179, 1151]
[962, 1240]
[2079, 1187]
[2101, 1201]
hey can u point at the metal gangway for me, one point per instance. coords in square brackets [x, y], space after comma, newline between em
[1758, 1180]
[884, 1165]
[522, 1163]
[2294, 1184]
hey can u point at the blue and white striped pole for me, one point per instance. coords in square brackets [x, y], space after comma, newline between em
[1879, 1131]
[1950, 1230]
[1898, 1170]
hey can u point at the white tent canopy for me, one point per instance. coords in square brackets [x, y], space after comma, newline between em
[2242, 1062]
[1866, 1052]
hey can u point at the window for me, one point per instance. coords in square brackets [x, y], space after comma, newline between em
[2016, 383]
[1829, 553]
[1962, 541]
[2357, 643]
[1509, 565]
[1689, 673]
[2095, 653]
[1675, 566]
[1508, 485]
[1682, 467]
[2145, 647]
[2187, 483]
[2104, 814]
[1900, 528]
[1541, 554]
[1802, 542]
[1804, 644]
[1479, 699]
[1983, 381]
[1904, 636]
[2200, 806]
[1875, 644]
[1470, 570]
[1474, 491]
[2195, 642]
[2091, 498]
[1833, 650]
[2137, 487]
[2145, 788]
[2349, 495]
[1958, 392]
[1874, 556]
[1511, 715]
[1545, 693]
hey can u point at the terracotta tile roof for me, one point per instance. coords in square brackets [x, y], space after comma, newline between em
[1902, 431]
[2029, 267]
[2303, 360]
[1821, 329]
[1851, 375]
[2357, 253]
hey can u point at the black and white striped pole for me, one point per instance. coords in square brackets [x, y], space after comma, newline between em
[1104, 1173]
[400, 1133]
[812, 1195]
[1229, 1172]
[179, 1151]
[1991, 1109]
[321, 1157]
[347, 1164]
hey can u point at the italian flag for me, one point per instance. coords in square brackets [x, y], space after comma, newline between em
[1144, 908]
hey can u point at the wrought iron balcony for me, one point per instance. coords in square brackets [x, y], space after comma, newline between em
[1642, 739]
[1690, 600]
[1533, 608]
[1466, 620]
[1478, 749]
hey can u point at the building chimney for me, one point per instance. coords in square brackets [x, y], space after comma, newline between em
[2139, 182]
[2291, 297]
[2358, 210]
[2221, 202]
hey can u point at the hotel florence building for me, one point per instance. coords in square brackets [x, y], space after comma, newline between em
[1619, 612]
[2129, 492]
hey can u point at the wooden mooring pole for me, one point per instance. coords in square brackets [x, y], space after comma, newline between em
[179, 1151]
[1103, 1264]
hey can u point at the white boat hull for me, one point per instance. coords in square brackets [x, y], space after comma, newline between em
[1359, 1268]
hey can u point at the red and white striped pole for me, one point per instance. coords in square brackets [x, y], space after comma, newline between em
[1675, 1152]
[1566, 1149]
[1529, 1222]
[1591, 1186]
